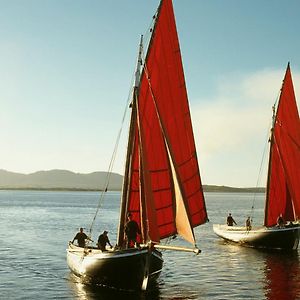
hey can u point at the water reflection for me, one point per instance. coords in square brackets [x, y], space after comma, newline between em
[83, 291]
[92, 292]
[282, 275]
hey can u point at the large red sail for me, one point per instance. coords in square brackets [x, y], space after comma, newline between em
[283, 190]
[164, 158]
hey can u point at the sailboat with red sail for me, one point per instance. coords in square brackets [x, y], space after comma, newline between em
[283, 188]
[162, 187]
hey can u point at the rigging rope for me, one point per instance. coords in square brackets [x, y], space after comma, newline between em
[112, 160]
[267, 139]
[104, 190]
[259, 175]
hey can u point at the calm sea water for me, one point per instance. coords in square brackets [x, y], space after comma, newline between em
[36, 226]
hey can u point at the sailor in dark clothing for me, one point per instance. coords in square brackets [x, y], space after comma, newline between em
[81, 237]
[280, 221]
[248, 224]
[103, 240]
[131, 230]
[230, 220]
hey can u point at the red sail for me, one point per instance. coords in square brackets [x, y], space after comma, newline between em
[164, 155]
[283, 191]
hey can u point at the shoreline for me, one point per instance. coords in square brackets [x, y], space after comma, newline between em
[206, 188]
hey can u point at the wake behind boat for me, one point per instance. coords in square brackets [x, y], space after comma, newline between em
[162, 188]
[283, 188]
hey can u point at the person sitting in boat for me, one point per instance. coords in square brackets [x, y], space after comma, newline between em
[131, 230]
[81, 237]
[230, 220]
[103, 240]
[248, 224]
[280, 221]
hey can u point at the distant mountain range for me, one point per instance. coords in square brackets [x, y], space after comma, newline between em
[67, 180]
[59, 180]
[229, 189]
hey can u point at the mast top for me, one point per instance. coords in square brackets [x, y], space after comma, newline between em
[139, 65]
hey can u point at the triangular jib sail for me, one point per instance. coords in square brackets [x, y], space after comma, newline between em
[283, 188]
[162, 188]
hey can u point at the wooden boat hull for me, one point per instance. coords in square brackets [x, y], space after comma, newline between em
[122, 269]
[286, 238]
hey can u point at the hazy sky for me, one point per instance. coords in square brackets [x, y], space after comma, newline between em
[66, 68]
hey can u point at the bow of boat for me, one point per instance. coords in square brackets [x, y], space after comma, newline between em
[123, 269]
[284, 238]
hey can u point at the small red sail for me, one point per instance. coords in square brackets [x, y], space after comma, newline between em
[165, 191]
[283, 190]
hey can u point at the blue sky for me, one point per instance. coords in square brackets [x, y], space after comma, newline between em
[66, 68]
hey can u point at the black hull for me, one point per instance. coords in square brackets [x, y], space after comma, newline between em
[286, 238]
[130, 269]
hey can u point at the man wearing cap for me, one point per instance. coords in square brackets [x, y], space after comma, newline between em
[103, 240]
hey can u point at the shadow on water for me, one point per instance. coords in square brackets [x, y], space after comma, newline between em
[84, 291]
[282, 276]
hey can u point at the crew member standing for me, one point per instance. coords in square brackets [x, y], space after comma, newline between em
[131, 230]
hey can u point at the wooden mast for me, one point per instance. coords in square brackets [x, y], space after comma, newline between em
[274, 116]
[269, 165]
[131, 139]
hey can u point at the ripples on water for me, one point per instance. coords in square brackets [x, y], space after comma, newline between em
[36, 227]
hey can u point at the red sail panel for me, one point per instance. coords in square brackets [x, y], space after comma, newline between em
[164, 116]
[139, 192]
[283, 195]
